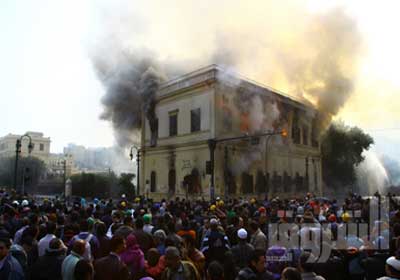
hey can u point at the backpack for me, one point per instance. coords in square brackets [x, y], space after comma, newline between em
[87, 255]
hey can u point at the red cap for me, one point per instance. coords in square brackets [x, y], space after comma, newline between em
[332, 218]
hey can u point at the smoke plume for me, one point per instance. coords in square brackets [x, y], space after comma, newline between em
[313, 56]
[130, 88]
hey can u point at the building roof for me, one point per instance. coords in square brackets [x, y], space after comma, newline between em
[214, 73]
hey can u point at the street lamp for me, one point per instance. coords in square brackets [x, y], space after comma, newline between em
[18, 146]
[137, 166]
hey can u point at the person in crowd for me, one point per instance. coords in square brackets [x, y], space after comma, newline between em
[215, 243]
[291, 273]
[49, 266]
[215, 271]
[392, 269]
[104, 240]
[92, 243]
[159, 237]
[192, 254]
[155, 264]
[148, 227]
[144, 239]
[176, 240]
[10, 269]
[84, 270]
[126, 228]
[306, 267]
[256, 269]
[116, 221]
[43, 244]
[178, 269]
[258, 238]
[69, 263]
[243, 250]
[133, 256]
[111, 266]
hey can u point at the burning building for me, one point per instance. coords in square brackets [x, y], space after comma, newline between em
[214, 133]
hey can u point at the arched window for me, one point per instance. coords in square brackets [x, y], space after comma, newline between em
[153, 187]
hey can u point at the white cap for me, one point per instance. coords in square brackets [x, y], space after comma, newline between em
[393, 262]
[242, 233]
[25, 202]
[214, 221]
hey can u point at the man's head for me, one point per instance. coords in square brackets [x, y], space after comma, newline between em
[4, 247]
[153, 257]
[189, 242]
[56, 245]
[257, 260]
[50, 228]
[242, 234]
[215, 271]
[172, 258]
[159, 236]
[79, 247]
[214, 224]
[117, 244]
[139, 223]
[147, 219]
[253, 226]
[392, 267]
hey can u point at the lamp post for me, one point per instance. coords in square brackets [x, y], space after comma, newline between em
[18, 146]
[137, 166]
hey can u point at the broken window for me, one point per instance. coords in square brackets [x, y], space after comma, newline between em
[261, 185]
[195, 120]
[227, 119]
[173, 124]
[296, 128]
[154, 133]
[247, 183]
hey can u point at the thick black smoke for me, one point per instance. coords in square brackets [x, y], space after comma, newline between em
[130, 92]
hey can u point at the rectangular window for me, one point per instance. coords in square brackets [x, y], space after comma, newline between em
[195, 120]
[173, 123]
[41, 147]
[305, 135]
[154, 133]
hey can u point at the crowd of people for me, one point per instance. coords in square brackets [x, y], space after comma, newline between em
[271, 238]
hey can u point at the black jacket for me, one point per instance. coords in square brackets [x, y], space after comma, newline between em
[249, 274]
[48, 267]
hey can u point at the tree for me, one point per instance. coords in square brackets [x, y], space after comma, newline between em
[341, 149]
[91, 185]
[126, 184]
[30, 169]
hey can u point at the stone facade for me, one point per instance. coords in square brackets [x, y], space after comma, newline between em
[213, 104]
[41, 150]
[41, 145]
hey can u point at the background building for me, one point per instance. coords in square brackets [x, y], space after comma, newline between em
[56, 164]
[210, 104]
[41, 145]
[99, 160]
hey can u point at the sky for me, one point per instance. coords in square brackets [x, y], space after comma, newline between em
[48, 82]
